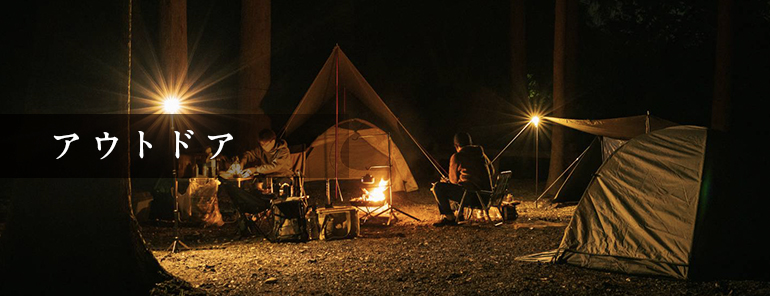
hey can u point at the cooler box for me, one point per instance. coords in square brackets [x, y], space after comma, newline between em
[338, 223]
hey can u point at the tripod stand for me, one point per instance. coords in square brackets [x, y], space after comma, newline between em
[390, 208]
[177, 243]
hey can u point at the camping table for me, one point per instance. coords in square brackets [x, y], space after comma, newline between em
[269, 184]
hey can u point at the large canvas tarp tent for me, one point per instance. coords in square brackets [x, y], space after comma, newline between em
[654, 208]
[610, 134]
[339, 90]
[340, 80]
[361, 149]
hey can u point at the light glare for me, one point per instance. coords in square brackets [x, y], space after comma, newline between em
[535, 120]
[171, 105]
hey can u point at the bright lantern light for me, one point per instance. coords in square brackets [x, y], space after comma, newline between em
[535, 120]
[172, 105]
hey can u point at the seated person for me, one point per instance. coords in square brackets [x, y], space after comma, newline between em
[267, 160]
[271, 158]
[469, 168]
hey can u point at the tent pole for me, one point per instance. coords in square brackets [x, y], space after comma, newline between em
[390, 182]
[564, 172]
[390, 171]
[328, 195]
[336, 120]
[647, 123]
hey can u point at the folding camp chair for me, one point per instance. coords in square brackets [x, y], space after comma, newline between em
[252, 209]
[298, 167]
[486, 199]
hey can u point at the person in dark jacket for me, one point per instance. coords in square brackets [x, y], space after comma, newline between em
[469, 168]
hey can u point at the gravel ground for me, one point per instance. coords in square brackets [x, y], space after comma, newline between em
[409, 257]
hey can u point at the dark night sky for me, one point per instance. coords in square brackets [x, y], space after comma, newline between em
[429, 60]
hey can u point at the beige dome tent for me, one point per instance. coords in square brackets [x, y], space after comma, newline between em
[362, 149]
[662, 205]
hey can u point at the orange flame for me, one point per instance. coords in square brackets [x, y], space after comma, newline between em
[378, 193]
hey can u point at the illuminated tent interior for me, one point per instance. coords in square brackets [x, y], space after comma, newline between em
[362, 147]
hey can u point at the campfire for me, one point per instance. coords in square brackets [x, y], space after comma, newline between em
[373, 201]
[372, 196]
[377, 194]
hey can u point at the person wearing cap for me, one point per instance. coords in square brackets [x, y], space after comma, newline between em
[469, 169]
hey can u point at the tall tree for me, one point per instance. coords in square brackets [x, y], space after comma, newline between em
[77, 235]
[564, 67]
[720, 107]
[255, 65]
[173, 43]
[518, 39]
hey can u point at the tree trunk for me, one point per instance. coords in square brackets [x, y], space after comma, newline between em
[255, 63]
[519, 93]
[564, 66]
[173, 49]
[173, 44]
[77, 236]
[721, 104]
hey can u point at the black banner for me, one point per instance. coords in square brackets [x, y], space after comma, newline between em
[102, 145]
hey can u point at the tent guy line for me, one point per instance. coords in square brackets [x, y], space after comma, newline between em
[511, 142]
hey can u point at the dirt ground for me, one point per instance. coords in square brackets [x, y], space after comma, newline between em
[409, 257]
